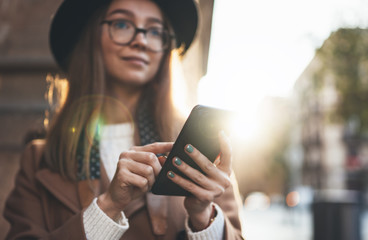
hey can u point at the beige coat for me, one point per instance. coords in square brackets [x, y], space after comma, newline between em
[43, 205]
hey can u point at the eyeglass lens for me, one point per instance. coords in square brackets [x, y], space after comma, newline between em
[123, 32]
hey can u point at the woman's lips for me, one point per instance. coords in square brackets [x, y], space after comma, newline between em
[136, 60]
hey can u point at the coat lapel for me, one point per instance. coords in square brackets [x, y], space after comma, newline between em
[65, 191]
[89, 189]
[79, 195]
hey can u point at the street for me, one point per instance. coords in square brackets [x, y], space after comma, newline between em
[278, 222]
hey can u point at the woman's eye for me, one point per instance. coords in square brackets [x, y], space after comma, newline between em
[121, 25]
[155, 32]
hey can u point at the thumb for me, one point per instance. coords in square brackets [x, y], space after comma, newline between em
[226, 153]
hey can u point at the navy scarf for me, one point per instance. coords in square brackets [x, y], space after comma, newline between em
[147, 133]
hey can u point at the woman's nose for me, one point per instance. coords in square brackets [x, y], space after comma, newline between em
[139, 40]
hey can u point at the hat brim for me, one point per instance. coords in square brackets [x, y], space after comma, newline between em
[72, 16]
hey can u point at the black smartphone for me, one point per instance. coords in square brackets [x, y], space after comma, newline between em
[201, 130]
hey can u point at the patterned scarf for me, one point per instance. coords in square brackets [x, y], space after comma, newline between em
[147, 133]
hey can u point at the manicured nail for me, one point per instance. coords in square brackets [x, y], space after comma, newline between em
[177, 161]
[189, 148]
[171, 174]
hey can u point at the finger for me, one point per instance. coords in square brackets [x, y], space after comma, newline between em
[143, 170]
[147, 158]
[156, 148]
[216, 184]
[132, 179]
[220, 175]
[202, 161]
[202, 194]
[195, 175]
[140, 169]
[226, 153]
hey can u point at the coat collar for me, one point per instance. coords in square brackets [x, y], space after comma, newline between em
[62, 189]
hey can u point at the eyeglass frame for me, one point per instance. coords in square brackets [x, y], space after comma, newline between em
[136, 31]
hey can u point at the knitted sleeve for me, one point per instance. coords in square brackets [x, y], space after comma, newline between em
[98, 225]
[214, 232]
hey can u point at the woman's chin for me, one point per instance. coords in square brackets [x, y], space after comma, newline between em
[131, 82]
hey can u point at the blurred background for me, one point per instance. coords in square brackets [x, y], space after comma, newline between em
[295, 72]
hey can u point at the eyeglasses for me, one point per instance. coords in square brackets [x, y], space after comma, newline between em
[123, 32]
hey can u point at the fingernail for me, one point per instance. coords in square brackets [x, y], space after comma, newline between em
[171, 174]
[189, 148]
[177, 161]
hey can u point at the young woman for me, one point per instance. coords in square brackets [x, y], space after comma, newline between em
[91, 177]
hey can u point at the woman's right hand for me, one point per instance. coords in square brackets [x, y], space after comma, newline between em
[134, 176]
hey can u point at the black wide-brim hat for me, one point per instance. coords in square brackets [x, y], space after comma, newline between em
[73, 15]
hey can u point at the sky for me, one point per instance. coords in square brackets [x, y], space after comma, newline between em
[260, 48]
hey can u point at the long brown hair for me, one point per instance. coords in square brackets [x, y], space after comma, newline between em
[81, 114]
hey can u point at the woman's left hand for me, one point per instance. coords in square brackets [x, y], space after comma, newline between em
[205, 187]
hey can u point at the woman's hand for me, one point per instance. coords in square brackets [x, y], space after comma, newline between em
[134, 176]
[205, 188]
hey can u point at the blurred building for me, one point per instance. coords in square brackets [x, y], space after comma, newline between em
[321, 152]
[330, 150]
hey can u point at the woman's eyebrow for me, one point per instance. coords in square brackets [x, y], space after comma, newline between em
[121, 11]
[155, 20]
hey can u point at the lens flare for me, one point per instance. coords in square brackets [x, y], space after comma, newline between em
[244, 126]
[257, 201]
[95, 109]
[292, 199]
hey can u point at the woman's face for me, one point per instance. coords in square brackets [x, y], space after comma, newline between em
[133, 64]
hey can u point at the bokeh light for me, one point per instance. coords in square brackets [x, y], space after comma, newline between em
[292, 199]
[257, 201]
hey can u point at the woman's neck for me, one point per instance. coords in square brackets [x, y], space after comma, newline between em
[122, 105]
